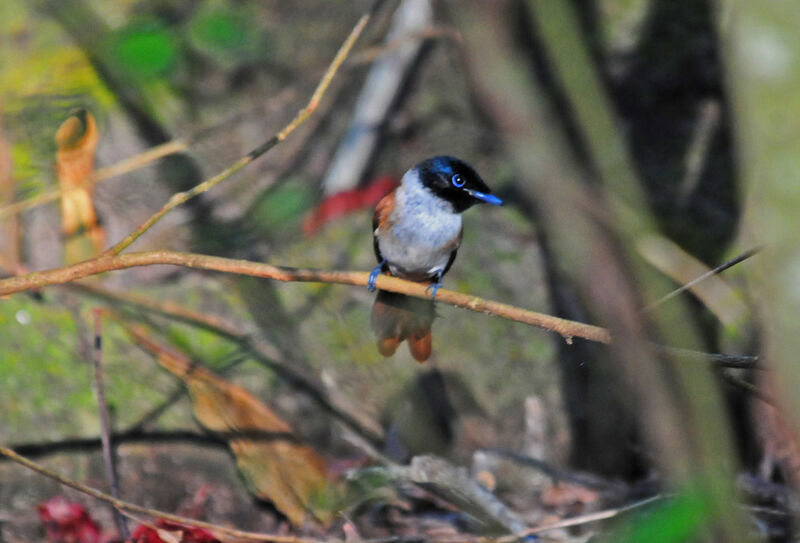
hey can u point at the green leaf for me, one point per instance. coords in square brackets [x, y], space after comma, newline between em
[226, 35]
[144, 50]
[283, 207]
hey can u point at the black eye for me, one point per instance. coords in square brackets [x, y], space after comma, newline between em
[458, 180]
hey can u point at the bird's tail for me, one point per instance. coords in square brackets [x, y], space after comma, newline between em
[396, 318]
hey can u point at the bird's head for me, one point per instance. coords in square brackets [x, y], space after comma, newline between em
[455, 181]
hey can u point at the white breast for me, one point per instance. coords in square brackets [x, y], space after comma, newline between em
[423, 234]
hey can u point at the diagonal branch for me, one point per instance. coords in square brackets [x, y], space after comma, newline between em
[568, 329]
[182, 197]
[716, 271]
[132, 507]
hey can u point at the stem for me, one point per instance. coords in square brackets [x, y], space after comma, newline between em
[105, 422]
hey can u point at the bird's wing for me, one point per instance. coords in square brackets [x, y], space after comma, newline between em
[380, 221]
[456, 245]
[382, 212]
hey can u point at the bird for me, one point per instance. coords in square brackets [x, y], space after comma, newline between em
[417, 230]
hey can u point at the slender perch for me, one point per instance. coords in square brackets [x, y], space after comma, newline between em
[568, 329]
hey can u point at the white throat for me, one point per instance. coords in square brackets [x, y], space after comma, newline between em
[425, 230]
[414, 195]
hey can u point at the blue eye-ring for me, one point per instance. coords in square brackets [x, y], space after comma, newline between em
[458, 180]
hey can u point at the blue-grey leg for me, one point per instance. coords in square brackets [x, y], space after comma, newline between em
[435, 286]
[373, 276]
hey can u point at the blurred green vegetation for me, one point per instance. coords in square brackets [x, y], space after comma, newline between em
[143, 49]
[46, 388]
[673, 520]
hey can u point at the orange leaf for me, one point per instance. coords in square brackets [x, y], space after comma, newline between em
[277, 467]
[77, 139]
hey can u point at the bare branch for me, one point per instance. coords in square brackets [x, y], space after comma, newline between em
[566, 328]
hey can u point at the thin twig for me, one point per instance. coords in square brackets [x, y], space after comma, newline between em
[716, 271]
[566, 328]
[720, 360]
[181, 197]
[582, 519]
[105, 421]
[151, 416]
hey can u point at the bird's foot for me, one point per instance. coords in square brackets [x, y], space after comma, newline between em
[373, 276]
[435, 286]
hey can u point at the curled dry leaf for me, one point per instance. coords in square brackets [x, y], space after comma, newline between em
[77, 139]
[274, 463]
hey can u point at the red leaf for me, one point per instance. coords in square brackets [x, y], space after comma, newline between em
[342, 203]
[188, 534]
[68, 522]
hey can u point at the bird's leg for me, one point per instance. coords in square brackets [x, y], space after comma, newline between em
[373, 276]
[435, 286]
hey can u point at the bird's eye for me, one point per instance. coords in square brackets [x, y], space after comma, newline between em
[458, 180]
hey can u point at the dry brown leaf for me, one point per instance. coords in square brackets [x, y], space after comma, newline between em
[77, 139]
[276, 466]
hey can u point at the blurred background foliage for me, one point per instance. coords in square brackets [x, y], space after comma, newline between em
[634, 140]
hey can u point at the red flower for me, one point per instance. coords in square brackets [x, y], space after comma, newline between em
[68, 522]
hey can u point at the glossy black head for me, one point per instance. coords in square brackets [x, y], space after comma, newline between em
[455, 181]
